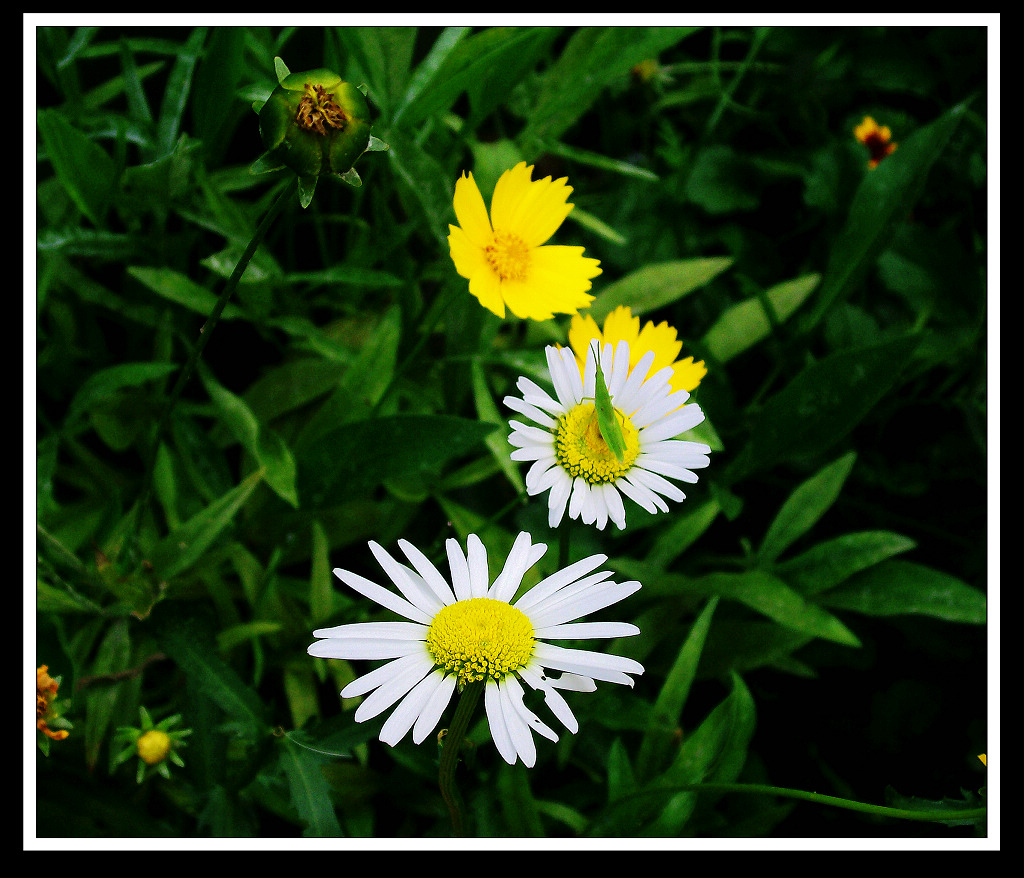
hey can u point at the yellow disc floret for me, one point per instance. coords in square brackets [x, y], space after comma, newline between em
[508, 256]
[480, 638]
[581, 450]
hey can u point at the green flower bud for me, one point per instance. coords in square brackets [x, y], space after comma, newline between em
[314, 123]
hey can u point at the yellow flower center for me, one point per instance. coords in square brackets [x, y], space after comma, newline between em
[508, 256]
[317, 109]
[153, 746]
[581, 450]
[480, 638]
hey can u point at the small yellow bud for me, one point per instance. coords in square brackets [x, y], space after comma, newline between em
[153, 746]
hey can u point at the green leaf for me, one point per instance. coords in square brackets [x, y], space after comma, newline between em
[176, 96]
[714, 752]
[188, 640]
[827, 564]
[757, 589]
[82, 166]
[594, 58]
[804, 506]
[898, 587]
[308, 790]
[265, 445]
[105, 384]
[463, 64]
[664, 721]
[822, 404]
[657, 285]
[384, 55]
[186, 545]
[883, 199]
[496, 441]
[743, 325]
[176, 287]
[359, 455]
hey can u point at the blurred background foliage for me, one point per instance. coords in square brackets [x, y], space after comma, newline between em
[813, 615]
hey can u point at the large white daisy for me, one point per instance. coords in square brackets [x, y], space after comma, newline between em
[570, 457]
[471, 630]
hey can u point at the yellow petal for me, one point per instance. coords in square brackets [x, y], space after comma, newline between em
[621, 325]
[471, 211]
[469, 259]
[662, 340]
[532, 210]
[489, 291]
[582, 330]
[687, 374]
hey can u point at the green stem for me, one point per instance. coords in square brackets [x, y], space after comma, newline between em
[450, 753]
[966, 815]
[203, 340]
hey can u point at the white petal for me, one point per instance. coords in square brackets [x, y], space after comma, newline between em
[557, 499]
[364, 648]
[518, 730]
[566, 576]
[640, 494]
[597, 665]
[515, 693]
[555, 702]
[460, 569]
[559, 377]
[526, 436]
[586, 630]
[626, 399]
[403, 717]
[432, 710]
[506, 582]
[572, 372]
[535, 395]
[390, 691]
[479, 577]
[530, 410]
[431, 575]
[656, 409]
[381, 630]
[496, 722]
[382, 596]
[578, 498]
[656, 483]
[533, 452]
[688, 417]
[619, 372]
[578, 605]
[378, 676]
[613, 502]
[542, 475]
[664, 468]
[409, 583]
[586, 584]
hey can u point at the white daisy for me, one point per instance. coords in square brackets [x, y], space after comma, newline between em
[470, 631]
[570, 456]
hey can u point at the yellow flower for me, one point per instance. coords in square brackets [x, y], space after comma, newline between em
[46, 693]
[877, 138]
[505, 257]
[621, 325]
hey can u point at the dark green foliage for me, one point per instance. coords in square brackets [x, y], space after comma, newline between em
[827, 570]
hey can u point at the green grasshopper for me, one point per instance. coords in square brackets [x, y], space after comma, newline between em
[608, 424]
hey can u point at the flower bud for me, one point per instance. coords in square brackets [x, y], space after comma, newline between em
[314, 123]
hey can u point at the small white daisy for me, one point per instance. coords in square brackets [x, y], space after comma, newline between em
[570, 456]
[470, 631]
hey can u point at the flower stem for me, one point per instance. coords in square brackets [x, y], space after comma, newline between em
[450, 753]
[202, 341]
